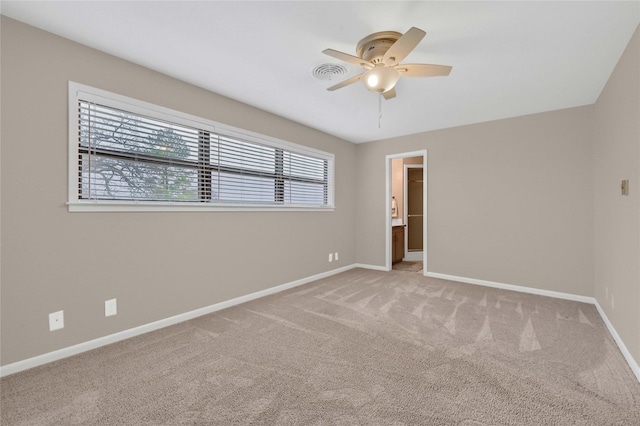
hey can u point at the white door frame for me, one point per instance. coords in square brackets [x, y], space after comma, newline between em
[405, 185]
[387, 206]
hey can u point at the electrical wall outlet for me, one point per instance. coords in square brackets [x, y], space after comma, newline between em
[56, 320]
[110, 307]
[335, 256]
[330, 257]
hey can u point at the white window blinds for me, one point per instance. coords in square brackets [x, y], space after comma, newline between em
[129, 156]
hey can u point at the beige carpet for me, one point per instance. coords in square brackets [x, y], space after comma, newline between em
[362, 347]
[409, 266]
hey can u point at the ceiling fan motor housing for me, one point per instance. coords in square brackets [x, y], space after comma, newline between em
[373, 47]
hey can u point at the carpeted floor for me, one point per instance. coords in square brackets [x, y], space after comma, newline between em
[409, 266]
[362, 347]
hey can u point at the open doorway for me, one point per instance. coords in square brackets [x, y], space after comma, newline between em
[406, 219]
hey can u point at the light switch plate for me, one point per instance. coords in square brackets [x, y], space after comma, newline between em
[110, 307]
[624, 187]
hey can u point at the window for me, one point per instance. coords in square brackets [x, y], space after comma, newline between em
[129, 155]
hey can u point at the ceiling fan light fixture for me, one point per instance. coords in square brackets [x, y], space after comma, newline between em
[381, 79]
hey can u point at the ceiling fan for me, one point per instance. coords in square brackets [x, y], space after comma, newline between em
[380, 55]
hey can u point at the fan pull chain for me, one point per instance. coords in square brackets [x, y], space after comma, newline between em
[379, 109]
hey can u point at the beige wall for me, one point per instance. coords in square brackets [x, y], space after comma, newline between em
[156, 264]
[509, 201]
[617, 217]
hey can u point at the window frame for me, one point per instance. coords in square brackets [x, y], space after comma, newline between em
[91, 94]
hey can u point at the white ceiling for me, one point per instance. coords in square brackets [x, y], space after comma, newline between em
[509, 58]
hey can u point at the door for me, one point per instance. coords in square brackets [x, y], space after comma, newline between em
[415, 205]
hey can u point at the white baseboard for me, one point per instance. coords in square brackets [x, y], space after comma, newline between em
[521, 289]
[623, 348]
[156, 325]
[413, 256]
[373, 267]
[590, 300]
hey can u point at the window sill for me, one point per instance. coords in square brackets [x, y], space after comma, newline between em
[154, 206]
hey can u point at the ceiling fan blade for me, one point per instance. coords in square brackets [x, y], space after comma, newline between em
[346, 82]
[348, 58]
[423, 70]
[389, 94]
[403, 46]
